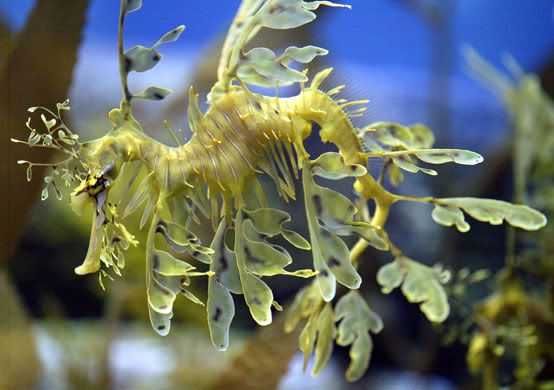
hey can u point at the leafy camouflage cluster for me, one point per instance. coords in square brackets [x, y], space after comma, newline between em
[515, 322]
[55, 135]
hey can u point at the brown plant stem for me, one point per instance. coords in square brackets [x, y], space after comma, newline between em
[38, 71]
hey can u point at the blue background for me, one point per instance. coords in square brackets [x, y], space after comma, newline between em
[388, 31]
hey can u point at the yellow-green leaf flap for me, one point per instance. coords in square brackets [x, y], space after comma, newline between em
[486, 210]
[356, 321]
[420, 284]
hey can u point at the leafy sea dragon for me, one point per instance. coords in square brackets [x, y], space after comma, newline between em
[241, 136]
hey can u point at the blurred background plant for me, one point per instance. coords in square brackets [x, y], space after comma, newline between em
[515, 323]
[58, 329]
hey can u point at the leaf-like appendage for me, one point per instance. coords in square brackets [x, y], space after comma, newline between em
[44, 194]
[390, 276]
[153, 93]
[264, 62]
[433, 156]
[263, 67]
[326, 333]
[442, 156]
[266, 69]
[304, 54]
[395, 175]
[140, 58]
[256, 257]
[181, 240]
[326, 280]
[307, 337]
[395, 135]
[331, 166]
[162, 291]
[319, 330]
[221, 310]
[220, 305]
[486, 210]
[249, 75]
[420, 284]
[423, 136]
[270, 222]
[336, 212]
[331, 214]
[285, 14]
[337, 258]
[257, 294]
[306, 301]
[265, 259]
[404, 141]
[408, 164]
[313, 5]
[167, 276]
[167, 265]
[191, 297]
[449, 216]
[29, 173]
[132, 5]
[161, 323]
[224, 265]
[320, 326]
[295, 239]
[48, 123]
[357, 320]
[404, 144]
[171, 36]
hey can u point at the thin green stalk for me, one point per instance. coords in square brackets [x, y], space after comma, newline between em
[122, 70]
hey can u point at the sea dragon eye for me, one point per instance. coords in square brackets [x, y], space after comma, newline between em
[89, 189]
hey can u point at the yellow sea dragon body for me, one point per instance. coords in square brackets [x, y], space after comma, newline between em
[241, 136]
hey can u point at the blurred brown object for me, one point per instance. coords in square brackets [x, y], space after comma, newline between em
[5, 39]
[37, 71]
[37, 67]
[20, 366]
[264, 360]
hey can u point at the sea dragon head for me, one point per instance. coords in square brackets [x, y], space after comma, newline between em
[91, 168]
[103, 159]
[94, 166]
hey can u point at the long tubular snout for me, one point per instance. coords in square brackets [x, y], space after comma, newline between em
[92, 260]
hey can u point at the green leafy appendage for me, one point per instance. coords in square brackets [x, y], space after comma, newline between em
[420, 284]
[330, 215]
